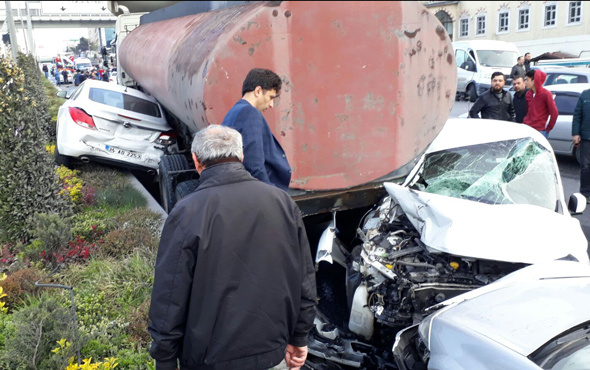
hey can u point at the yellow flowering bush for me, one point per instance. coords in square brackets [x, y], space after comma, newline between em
[71, 183]
[50, 148]
[3, 308]
[109, 363]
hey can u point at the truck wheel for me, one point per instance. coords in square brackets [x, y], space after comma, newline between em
[61, 160]
[472, 93]
[186, 188]
[169, 163]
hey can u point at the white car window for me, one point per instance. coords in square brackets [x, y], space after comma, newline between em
[124, 101]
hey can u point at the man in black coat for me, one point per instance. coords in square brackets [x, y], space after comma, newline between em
[527, 62]
[234, 283]
[494, 103]
[519, 99]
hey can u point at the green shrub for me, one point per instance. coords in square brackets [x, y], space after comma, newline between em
[143, 218]
[100, 177]
[120, 243]
[126, 197]
[52, 231]
[93, 224]
[37, 93]
[36, 329]
[138, 319]
[28, 184]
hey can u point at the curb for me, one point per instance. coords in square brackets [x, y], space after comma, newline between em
[152, 204]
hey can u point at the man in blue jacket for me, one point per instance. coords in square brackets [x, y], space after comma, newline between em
[581, 139]
[264, 157]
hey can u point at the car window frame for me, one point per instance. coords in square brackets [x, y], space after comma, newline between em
[160, 112]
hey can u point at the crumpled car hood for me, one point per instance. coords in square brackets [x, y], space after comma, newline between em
[504, 232]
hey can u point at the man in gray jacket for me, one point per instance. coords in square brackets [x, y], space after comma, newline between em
[581, 139]
[518, 69]
[234, 285]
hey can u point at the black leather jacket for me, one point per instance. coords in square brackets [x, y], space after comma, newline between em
[493, 108]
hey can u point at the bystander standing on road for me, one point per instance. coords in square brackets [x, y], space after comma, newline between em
[541, 110]
[264, 157]
[527, 62]
[519, 99]
[46, 71]
[581, 139]
[495, 103]
[234, 280]
[518, 69]
[56, 75]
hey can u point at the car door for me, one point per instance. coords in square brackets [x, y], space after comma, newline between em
[465, 69]
[560, 137]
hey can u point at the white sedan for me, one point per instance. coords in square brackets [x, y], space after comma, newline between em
[104, 122]
[535, 318]
[566, 97]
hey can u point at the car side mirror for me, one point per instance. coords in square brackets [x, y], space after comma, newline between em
[576, 204]
[63, 94]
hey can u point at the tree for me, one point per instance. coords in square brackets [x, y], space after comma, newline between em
[83, 45]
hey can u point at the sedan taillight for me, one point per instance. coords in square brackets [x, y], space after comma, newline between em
[82, 118]
[167, 138]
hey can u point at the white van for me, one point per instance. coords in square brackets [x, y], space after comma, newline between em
[478, 59]
[83, 64]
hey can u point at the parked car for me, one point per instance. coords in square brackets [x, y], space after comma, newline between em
[105, 122]
[484, 200]
[113, 77]
[566, 97]
[535, 318]
[564, 75]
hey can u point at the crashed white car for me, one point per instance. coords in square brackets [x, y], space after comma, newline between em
[485, 200]
[535, 318]
[104, 122]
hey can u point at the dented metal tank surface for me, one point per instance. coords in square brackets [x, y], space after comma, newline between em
[366, 85]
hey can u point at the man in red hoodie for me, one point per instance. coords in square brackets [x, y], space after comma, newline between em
[540, 103]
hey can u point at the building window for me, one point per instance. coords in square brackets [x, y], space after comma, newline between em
[503, 22]
[550, 15]
[575, 12]
[481, 25]
[523, 19]
[464, 27]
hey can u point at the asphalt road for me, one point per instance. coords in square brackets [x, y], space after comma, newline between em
[568, 169]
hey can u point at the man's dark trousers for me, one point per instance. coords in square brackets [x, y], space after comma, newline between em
[584, 149]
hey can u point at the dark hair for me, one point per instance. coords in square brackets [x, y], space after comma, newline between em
[531, 74]
[525, 54]
[520, 57]
[265, 78]
[516, 78]
[497, 73]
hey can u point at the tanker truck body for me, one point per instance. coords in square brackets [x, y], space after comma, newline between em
[366, 87]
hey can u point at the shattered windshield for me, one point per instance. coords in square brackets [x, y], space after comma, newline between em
[505, 172]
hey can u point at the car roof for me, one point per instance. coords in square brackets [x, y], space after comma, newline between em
[563, 69]
[525, 312]
[118, 88]
[460, 132]
[568, 87]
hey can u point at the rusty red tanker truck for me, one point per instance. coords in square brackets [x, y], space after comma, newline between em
[366, 88]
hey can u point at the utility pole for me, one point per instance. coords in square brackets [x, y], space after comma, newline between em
[11, 30]
[30, 31]
[22, 26]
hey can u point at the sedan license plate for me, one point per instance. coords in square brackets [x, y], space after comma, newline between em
[122, 152]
